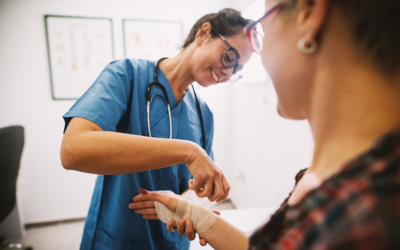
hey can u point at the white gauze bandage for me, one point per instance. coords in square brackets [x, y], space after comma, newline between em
[189, 208]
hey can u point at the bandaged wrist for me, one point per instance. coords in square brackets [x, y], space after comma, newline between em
[201, 217]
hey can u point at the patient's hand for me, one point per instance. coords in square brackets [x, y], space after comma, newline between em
[144, 204]
[146, 208]
[187, 227]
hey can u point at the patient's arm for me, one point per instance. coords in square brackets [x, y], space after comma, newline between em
[220, 235]
[223, 235]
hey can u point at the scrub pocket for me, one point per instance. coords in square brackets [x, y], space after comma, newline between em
[107, 243]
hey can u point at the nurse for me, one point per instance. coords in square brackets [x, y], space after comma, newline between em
[107, 133]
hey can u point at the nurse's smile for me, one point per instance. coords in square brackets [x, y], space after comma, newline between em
[214, 76]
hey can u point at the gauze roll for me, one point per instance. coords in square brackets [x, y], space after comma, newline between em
[201, 217]
[192, 196]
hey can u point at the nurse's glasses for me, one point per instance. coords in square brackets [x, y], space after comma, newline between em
[254, 31]
[230, 59]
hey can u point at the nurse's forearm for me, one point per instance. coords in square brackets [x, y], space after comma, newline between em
[109, 153]
[222, 235]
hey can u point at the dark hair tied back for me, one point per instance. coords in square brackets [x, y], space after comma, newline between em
[228, 22]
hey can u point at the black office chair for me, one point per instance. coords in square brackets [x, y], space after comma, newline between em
[11, 145]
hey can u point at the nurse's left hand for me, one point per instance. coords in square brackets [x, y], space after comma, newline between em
[144, 207]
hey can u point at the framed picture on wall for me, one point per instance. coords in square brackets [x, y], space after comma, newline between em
[78, 50]
[151, 40]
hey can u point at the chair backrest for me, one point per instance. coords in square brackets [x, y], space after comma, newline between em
[11, 145]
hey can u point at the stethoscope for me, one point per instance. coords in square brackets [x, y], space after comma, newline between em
[166, 100]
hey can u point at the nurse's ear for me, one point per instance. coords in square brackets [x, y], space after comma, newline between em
[203, 34]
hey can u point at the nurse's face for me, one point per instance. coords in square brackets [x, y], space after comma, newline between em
[288, 68]
[207, 65]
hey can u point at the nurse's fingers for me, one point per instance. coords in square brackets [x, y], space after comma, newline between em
[191, 185]
[227, 188]
[150, 217]
[206, 191]
[146, 211]
[218, 190]
[181, 227]
[141, 204]
[170, 227]
[196, 184]
[189, 230]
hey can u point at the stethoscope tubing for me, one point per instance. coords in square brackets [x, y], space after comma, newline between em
[166, 100]
[169, 115]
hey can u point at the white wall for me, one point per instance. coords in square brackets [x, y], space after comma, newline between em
[241, 5]
[47, 191]
[268, 150]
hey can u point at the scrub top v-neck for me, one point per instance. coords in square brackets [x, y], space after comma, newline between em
[116, 102]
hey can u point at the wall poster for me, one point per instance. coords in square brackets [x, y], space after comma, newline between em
[151, 40]
[78, 50]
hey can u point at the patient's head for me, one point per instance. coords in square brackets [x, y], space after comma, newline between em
[308, 41]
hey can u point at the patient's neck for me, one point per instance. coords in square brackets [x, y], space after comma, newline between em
[352, 107]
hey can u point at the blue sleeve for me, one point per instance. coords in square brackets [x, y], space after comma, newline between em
[106, 101]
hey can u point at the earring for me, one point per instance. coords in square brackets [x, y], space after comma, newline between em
[307, 47]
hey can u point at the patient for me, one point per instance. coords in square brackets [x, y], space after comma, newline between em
[335, 63]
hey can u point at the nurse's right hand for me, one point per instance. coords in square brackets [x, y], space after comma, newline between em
[208, 180]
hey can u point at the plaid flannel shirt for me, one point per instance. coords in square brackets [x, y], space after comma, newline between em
[358, 208]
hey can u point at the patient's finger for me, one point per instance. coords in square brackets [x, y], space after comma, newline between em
[181, 227]
[146, 211]
[170, 202]
[189, 231]
[202, 241]
[141, 204]
[216, 212]
[150, 217]
[138, 198]
[170, 227]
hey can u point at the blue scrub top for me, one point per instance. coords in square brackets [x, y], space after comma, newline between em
[116, 102]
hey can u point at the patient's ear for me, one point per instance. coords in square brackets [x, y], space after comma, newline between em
[311, 16]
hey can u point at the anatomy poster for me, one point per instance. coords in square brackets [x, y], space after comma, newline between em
[152, 40]
[79, 49]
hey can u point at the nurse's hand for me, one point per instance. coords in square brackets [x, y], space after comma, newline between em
[208, 180]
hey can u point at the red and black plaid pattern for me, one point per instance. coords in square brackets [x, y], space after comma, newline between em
[358, 208]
